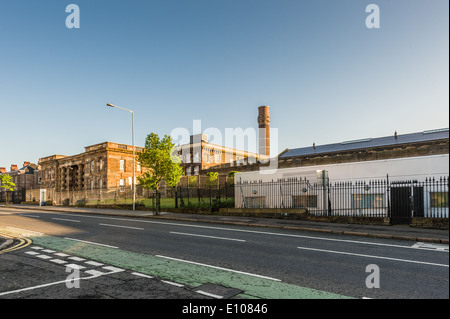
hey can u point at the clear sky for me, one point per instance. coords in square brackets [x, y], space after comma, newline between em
[326, 76]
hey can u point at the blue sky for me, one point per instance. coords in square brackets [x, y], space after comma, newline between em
[325, 75]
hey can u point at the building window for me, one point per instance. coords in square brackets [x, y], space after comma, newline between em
[122, 165]
[368, 201]
[92, 166]
[255, 202]
[100, 183]
[122, 185]
[100, 164]
[439, 199]
[302, 201]
[138, 166]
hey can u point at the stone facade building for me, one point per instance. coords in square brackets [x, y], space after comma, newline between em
[200, 155]
[25, 178]
[101, 166]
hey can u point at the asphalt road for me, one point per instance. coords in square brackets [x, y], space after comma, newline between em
[194, 260]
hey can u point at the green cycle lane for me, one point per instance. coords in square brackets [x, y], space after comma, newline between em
[189, 274]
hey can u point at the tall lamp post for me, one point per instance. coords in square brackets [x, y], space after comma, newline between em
[132, 132]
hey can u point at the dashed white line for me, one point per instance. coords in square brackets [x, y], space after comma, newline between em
[141, 275]
[75, 266]
[33, 253]
[43, 256]
[220, 268]
[67, 220]
[90, 242]
[76, 258]
[93, 263]
[208, 294]
[48, 251]
[172, 283]
[97, 274]
[205, 236]
[371, 256]
[58, 261]
[120, 226]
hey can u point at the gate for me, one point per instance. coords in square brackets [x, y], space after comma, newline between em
[406, 202]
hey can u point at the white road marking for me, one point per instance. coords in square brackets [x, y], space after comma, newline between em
[209, 294]
[61, 255]
[67, 220]
[90, 242]
[48, 251]
[33, 253]
[36, 247]
[172, 283]
[214, 237]
[114, 269]
[93, 263]
[58, 261]
[75, 266]
[141, 275]
[251, 231]
[95, 272]
[43, 256]
[76, 258]
[220, 268]
[120, 226]
[29, 232]
[371, 256]
[30, 216]
[57, 283]
[431, 246]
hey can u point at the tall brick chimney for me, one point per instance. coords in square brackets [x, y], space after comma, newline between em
[264, 130]
[26, 163]
[14, 167]
[3, 170]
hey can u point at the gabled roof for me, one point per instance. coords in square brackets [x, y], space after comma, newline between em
[393, 140]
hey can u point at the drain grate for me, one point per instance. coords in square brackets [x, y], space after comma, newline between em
[216, 291]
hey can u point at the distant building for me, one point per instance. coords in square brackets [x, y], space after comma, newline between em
[100, 166]
[200, 155]
[25, 178]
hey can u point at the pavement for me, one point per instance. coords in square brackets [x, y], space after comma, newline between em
[399, 232]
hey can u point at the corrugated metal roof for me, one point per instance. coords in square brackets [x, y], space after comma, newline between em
[369, 143]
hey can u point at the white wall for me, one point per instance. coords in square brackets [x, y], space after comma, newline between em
[412, 168]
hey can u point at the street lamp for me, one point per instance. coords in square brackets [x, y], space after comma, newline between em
[132, 133]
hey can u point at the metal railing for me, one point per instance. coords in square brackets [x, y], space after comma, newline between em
[399, 200]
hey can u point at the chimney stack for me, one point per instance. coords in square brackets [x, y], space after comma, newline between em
[14, 167]
[26, 164]
[2, 170]
[264, 130]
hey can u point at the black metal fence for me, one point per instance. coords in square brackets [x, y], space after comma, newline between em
[399, 200]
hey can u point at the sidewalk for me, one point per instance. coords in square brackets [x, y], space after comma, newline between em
[402, 232]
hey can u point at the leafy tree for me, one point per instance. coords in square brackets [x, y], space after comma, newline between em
[7, 185]
[193, 181]
[160, 164]
[231, 177]
[212, 178]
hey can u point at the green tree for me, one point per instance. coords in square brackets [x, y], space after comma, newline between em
[159, 164]
[7, 185]
[212, 178]
[231, 177]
